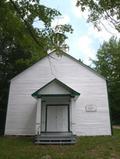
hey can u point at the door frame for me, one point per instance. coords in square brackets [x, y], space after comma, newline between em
[46, 112]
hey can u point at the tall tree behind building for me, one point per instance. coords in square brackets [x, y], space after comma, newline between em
[108, 64]
[100, 10]
[21, 44]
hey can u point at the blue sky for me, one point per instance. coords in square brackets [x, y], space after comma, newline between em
[85, 40]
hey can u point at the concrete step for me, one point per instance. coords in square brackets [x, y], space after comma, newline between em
[55, 143]
[56, 134]
[55, 138]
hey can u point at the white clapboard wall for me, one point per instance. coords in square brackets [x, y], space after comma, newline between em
[89, 113]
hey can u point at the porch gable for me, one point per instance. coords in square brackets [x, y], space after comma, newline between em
[56, 88]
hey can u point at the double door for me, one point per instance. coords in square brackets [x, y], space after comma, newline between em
[57, 118]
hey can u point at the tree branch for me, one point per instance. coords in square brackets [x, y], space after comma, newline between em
[27, 25]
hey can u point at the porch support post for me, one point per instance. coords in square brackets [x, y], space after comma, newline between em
[38, 117]
[71, 113]
[69, 118]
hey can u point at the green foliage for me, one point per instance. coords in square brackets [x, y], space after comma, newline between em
[108, 64]
[17, 18]
[102, 9]
[21, 44]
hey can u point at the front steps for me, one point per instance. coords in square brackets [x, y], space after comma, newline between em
[55, 138]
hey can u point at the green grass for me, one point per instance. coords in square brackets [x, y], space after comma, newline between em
[102, 147]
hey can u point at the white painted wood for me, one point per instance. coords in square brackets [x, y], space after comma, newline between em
[54, 88]
[57, 118]
[21, 113]
[62, 118]
[52, 101]
[72, 104]
[38, 117]
[51, 119]
[43, 116]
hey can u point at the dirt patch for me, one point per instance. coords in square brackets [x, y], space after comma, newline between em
[116, 126]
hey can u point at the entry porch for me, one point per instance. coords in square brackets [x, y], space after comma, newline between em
[54, 113]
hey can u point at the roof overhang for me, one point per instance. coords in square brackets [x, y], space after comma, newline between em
[55, 88]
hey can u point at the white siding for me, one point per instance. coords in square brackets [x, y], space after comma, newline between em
[53, 88]
[21, 112]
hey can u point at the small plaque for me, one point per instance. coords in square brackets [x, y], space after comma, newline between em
[90, 108]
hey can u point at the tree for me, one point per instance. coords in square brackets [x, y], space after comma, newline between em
[108, 64]
[17, 18]
[21, 44]
[100, 10]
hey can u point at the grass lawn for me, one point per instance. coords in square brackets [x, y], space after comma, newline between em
[104, 147]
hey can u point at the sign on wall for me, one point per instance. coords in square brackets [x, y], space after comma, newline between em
[90, 108]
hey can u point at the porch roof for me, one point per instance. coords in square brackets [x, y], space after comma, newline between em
[66, 90]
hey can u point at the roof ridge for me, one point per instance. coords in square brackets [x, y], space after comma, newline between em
[68, 55]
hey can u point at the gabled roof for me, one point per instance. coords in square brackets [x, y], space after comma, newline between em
[68, 55]
[84, 65]
[71, 91]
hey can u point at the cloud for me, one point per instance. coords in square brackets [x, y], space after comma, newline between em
[61, 20]
[107, 31]
[65, 19]
[38, 24]
[84, 46]
[77, 11]
[86, 43]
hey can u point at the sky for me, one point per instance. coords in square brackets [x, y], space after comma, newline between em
[85, 39]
